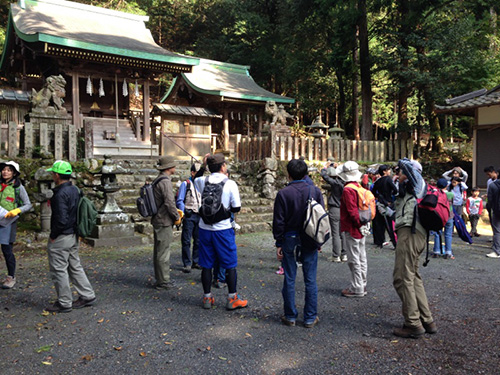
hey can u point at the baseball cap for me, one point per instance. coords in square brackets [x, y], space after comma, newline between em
[61, 167]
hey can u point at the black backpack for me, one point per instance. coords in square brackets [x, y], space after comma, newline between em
[212, 210]
[146, 204]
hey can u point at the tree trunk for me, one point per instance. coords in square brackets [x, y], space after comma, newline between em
[342, 101]
[366, 85]
[404, 87]
[355, 113]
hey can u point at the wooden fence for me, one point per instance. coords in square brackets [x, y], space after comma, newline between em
[29, 139]
[288, 147]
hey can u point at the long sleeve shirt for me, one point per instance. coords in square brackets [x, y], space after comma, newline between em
[349, 214]
[336, 188]
[474, 206]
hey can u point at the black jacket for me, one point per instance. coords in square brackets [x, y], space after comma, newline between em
[64, 205]
[384, 189]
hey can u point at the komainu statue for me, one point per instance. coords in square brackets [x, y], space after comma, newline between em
[278, 115]
[49, 100]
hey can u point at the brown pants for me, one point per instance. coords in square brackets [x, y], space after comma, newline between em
[407, 280]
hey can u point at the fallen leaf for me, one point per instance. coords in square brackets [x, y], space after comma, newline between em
[142, 354]
[100, 320]
[394, 341]
[223, 358]
[87, 357]
[9, 326]
[45, 313]
[209, 348]
[117, 348]
[248, 335]
[164, 334]
[44, 348]
[59, 343]
[168, 343]
[46, 363]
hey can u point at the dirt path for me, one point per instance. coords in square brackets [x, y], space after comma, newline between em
[136, 329]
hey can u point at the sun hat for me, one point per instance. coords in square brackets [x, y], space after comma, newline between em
[13, 164]
[216, 159]
[166, 162]
[349, 171]
[332, 172]
[61, 167]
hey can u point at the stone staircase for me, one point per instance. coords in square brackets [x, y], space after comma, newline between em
[256, 213]
[125, 145]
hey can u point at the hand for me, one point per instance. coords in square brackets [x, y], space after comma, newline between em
[13, 213]
[181, 216]
[279, 253]
[319, 250]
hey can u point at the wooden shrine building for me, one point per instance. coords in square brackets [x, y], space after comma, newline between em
[100, 53]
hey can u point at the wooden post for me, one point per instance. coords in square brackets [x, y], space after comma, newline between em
[28, 140]
[75, 99]
[281, 141]
[237, 145]
[12, 137]
[410, 148]
[145, 107]
[289, 148]
[371, 150]
[397, 153]
[72, 142]
[226, 130]
[404, 151]
[347, 150]
[390, 150]
[296, 147]
[309, 149]
[302, 147]
[58, 140]
[89, 138]
[324, 151]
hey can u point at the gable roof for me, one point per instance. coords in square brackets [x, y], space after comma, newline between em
[68, 24]
[227, 81]
[467, 103]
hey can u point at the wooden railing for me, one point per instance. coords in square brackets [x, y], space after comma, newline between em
[288, 147]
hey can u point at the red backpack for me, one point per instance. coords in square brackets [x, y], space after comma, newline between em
[433, 209]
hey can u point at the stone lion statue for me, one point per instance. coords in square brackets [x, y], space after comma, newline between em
[277, 114]
[49, 100]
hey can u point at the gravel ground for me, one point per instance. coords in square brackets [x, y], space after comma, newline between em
[136, 329]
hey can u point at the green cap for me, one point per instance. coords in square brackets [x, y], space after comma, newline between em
[61, 167]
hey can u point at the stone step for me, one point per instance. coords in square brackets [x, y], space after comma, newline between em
[254, 218]
[255, 227]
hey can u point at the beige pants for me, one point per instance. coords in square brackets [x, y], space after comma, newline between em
[407, 280]
[64, 264]
[163, 237]
[356, 259]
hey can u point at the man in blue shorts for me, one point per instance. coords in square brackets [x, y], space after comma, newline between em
[216, 234]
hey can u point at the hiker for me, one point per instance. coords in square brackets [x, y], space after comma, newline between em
[474, 208]
[163, 221]
[447, 232]
[353, 230]
[492, 175]
[329, 174]
[216, 233]
[384, 190]
[494, 206]
[188, 201]
[459, 190]
[62, 247]
[14, 201]
[293, 245]
[411, 243]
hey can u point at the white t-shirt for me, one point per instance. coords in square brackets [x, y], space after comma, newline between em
[230, 198]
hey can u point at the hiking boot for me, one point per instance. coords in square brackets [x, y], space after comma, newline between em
[409, 332]
[312, 324]
[186, 269]
[430, 327]
[165, 286]
[208, 302]
[493, 255]
[219, 284]
[349, 294]
[236, 303]
[336, 259]
[289, 323]
[343, 258]
[436, 255]
[449, 256]
[9, 282]
[82, 302]
[58, 308]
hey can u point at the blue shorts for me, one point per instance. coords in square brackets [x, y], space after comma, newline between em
[220, 245]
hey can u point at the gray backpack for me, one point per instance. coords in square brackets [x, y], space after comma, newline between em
[316, 224]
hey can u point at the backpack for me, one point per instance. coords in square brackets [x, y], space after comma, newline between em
[212, 210]
[433, 209]
[366, 204]
[86, 216]
[317, 223]
[146, 204]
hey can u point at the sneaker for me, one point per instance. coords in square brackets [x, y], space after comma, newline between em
[477, 235]
[280, 271]
[285, 321]
[82, 302]
[219, 284]
[336, 259]
[449, 256]
[436, 255]
[165, 286]
[409, 332]
[430, 327]
[196, 266]
[58, 308]
[349, 294]
[236, 303]
[208, 302]
[343, 258]
[386, 243]
[312, 324]
[186, 269]
[493, 255]
[9, 282]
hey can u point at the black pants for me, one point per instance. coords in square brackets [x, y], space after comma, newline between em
[473, 223]
[10, 259]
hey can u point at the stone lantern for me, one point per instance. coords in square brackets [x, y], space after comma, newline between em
[113, 227]
[318, 128]
[336, 132]
[45, 185]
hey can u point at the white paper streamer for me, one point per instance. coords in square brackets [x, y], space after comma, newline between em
[101, 88]
[89, 86]
[136, 91]
[125, 87]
